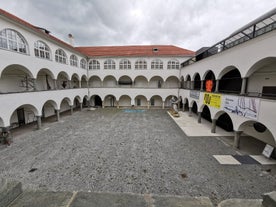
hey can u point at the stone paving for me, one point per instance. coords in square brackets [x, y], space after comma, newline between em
[142, 151]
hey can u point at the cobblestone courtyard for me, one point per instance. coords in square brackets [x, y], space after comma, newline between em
[140, 151]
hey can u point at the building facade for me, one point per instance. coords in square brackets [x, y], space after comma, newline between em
[231, 84]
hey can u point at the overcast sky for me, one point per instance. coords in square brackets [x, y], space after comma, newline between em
[189, 24]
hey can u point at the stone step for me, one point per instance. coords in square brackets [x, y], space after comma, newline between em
[9, 191]
[241, 203]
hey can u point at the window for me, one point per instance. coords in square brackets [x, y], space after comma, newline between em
[140, 65]
[156, 64]
[173, 64]
[94, 65]
[109, 64]
[83, 63]
[74, 60]
[60, 56]
[41, 50]
[125, 64]
[13, 40]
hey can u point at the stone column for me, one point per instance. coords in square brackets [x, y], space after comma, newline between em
[192, 85]
[148, 104]
[35, 84]
[117, 103]
[190, 111]
[69, 84]
[58, 114]
[55, 84]
[38, 120]
[214, 122]
[237, 136]
[199, 117]
[71, 109]
[80, 106]
[243, 87]
[217, 86]
[201, 85]
[163, 104]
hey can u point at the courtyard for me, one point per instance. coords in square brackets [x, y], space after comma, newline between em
[138, 151]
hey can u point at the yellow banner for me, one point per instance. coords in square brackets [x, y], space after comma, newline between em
[212, 99]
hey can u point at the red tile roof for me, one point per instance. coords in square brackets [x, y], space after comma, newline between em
[32, 27]
[136, 50]
[106, 51]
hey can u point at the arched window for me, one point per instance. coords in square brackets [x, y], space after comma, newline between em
[83, 63]
[109, 64]
[42, 50]
[173, 64]
[94, 65]
[156, 64]
[125, 64]
[74, 60]
[13, 40]
[60, 56]
[140, 65]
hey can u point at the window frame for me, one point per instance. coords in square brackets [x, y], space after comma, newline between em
[173, 65]
[141, 64]
[60, 57]
[83, 63]
[125, 64]
[94, 65]
[109, 64]
[42, 50]
[157, 64]
[74, 60]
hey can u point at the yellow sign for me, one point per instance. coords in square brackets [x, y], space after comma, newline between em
[212, 99]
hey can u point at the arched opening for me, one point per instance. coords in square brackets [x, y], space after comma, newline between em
[188, 82]
[16, 78]
[182, 82]
[168, 103]
[109, 82]
[49, 110]
[172, 82]
[95, 82]
[84, 82]
[96, 101]
[63, 81]
[197, 82]
[156, 101]
[186, 104]
[125, 101]
[77, 102]
[65, 105]
[109, 101]
[156, 82]
[224, 121]
[140, 82]
[206, 114]
[75, 81]
[125, 81]
[25, 114]
[194, 108]
[141, 101]
[231, 82]
[85, 102]
[209, 84]
[257, 135]
[262, 78]
[45, 80]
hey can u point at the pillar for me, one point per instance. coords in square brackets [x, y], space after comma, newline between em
[243, 87]
[148, 104]
[58, 114]
[38, 120]
[217, 86]
[214, 123]
[55, 84]
[192, 85]
[81, 106]
[34, 84]
[237, 136]
[71, 109]
[190, 111]
[69, 84]
[201, 85]
[117, 103]
[163, 104]
[199, 117]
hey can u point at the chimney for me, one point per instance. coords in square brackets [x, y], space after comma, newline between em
[71, 40]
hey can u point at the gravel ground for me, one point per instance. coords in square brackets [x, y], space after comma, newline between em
[144, 151]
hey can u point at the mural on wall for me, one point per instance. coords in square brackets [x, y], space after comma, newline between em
[242, 106]
[212, 99]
